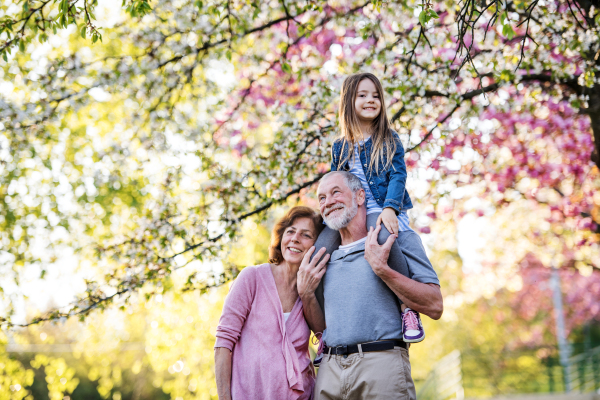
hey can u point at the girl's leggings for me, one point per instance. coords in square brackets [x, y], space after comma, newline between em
[331, 240]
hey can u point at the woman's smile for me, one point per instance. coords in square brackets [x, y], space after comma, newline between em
[297, 239]
[294, 251]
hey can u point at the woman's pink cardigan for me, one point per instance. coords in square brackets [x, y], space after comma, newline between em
[270, 357]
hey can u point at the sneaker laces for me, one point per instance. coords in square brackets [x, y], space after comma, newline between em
[411, 321]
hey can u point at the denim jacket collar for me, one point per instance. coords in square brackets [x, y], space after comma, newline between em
[387, 185]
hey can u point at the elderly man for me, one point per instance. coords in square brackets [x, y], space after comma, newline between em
[364, 357]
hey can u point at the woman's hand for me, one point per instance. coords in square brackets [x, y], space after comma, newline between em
[311, 272]
[389, 219]
[223, 372]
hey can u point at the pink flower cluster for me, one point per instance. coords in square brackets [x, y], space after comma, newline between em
[534, 151]
[533, 303]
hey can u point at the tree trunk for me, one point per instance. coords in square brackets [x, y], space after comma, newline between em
[594, 112]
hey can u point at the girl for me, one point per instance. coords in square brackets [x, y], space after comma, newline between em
[372, 151]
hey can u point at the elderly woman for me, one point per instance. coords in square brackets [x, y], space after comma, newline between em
[261, 350]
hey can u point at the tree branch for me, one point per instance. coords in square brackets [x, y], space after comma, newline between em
[428, 135]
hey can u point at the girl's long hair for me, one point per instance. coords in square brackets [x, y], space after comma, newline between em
[383, 142]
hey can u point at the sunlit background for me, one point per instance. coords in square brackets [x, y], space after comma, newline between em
[136, 183]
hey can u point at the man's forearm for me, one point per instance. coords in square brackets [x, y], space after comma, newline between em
[425, 298]
[312, 312]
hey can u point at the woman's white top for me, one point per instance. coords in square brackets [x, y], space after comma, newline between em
[286, 315]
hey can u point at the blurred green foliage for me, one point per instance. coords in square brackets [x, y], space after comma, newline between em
[159, 348]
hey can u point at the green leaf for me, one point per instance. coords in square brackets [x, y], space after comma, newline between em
[433, 14]
[83, 31]
[228, 54]
[507, 30]
[286, 67]
[377, 5]
[507, 75]
[576, 103]
[423, 17]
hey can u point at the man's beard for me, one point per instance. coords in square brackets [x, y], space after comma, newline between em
[338, 222]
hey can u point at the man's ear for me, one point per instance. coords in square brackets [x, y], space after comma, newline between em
[360, 197]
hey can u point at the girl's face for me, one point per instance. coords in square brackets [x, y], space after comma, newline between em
[367, 104]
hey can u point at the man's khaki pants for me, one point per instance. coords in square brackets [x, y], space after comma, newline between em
[380, 375]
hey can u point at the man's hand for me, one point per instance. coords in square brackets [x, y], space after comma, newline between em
[389, 220]
[376, 255]
[311, 272]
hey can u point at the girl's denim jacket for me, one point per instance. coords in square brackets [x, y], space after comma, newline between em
[389, 186]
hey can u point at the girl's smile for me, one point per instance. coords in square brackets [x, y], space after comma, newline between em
[367, 103]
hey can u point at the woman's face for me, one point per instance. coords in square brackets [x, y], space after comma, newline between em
[297, 239]
[367, 104]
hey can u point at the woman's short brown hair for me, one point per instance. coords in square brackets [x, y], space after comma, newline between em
[275, 255]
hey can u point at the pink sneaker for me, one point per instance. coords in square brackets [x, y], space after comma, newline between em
[412, 326]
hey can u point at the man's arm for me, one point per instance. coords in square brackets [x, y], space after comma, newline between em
[425, 298]
[309, 276]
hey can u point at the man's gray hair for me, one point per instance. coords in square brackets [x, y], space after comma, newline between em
[351, 180]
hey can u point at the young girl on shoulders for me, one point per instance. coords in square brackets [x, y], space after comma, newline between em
[372, 151]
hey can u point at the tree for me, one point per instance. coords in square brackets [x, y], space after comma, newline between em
[23, 21]
[153, 147]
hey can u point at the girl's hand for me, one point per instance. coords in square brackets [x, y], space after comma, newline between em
[389, 219]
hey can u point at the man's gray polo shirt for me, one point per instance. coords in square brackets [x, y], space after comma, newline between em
[359, 306]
